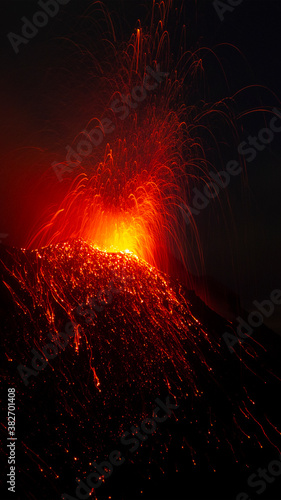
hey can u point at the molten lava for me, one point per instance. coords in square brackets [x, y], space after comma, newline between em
[129, 315]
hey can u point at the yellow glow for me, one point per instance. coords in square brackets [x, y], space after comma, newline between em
[115, 233]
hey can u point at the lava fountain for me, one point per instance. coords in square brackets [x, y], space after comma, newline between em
[130, 167]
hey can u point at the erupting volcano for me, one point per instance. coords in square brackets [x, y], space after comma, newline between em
[98, 326]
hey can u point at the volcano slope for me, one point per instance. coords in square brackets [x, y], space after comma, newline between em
[92, 341]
